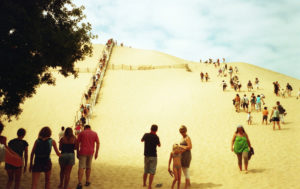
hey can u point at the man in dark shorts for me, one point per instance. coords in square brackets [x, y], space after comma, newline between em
[151, 141]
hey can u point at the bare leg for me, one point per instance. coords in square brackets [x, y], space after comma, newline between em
[18, 174]
[274, 125]
[151, 177]
[278, 123]
[145, 179]
[175, 177]
[61, 176]
[35, 179]
[88, 174]
[80, 175]
[10, 174]
[47, 179]
[68, 170]
[239, 156]
[179, 179]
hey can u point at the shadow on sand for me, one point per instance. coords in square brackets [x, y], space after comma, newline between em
[205, 185]
[257, 171]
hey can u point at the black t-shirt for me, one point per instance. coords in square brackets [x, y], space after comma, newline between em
[151, 141]
[18, 146]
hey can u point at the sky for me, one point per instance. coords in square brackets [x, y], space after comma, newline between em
[260, 32]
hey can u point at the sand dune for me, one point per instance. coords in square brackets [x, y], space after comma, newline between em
[130, 101]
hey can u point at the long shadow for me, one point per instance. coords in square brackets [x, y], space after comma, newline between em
[205, 185]
[256, 170]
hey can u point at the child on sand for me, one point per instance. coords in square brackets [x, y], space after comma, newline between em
[176, 157]
[249, 118]
[265, 115]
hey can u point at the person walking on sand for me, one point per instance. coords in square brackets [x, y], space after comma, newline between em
[186, 156]
[240, 145]
[206, 77]
[275, 117]
[61, 133]
[67, 145]
[282, 112]
[237, 102]
[257, 83]
[249, 118]
[258, 103]
[289, 89]
[202, 76]
[253, 102]
[265, 114]
[151, 141]
[85, 151]
[19, 146]
[230, 71]
[176, 157]
[245, 103]
[250, 86]
[224, 85]
[41, 153]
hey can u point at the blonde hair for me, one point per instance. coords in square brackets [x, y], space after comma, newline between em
[175, 148]
[182, 128]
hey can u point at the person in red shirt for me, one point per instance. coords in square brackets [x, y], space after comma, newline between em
[85, 151]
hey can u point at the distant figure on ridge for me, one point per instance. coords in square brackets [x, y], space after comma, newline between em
[202, 76]
[206, 77]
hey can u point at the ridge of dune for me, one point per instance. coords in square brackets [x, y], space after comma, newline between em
[131, 100]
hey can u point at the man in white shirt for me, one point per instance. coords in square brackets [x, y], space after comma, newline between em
[61, 133]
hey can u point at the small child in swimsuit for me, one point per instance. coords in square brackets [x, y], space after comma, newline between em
[249, 118]
[176, 157]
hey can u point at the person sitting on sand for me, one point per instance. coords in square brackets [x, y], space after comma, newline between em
[237, 102]
[265, 114]
[249, 118]
[151, 141]
[206, 77]
[176, 157]
[257, 83]
[41, 153]
[224, 85]
[253, 102]
[19, 146]
[275, 117]
[67, 145]
[240, 145]
[249, 86]
[202, 76]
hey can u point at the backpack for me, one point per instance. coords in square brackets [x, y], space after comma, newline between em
[281, 109]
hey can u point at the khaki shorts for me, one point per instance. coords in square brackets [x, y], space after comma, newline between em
[85, 162]
[150, 165]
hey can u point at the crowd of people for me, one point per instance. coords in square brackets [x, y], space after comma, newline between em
[40, 160]
[86, 106]
[181, 157]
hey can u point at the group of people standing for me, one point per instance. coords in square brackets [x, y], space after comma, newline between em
[40, 160]
[180, 155]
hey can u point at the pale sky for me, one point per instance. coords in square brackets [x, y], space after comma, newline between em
[261, 32]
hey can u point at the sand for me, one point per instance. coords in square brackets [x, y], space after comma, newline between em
[130, 101]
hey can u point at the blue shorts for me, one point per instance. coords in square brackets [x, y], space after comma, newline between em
[150, 165]
[67, 159]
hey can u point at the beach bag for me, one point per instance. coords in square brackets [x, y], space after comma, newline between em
[250, 153]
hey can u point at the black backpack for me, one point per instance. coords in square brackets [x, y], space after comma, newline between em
[281, 109]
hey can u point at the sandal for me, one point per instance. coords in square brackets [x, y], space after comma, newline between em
[87, 183]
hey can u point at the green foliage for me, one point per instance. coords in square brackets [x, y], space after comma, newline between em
[35, 36]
